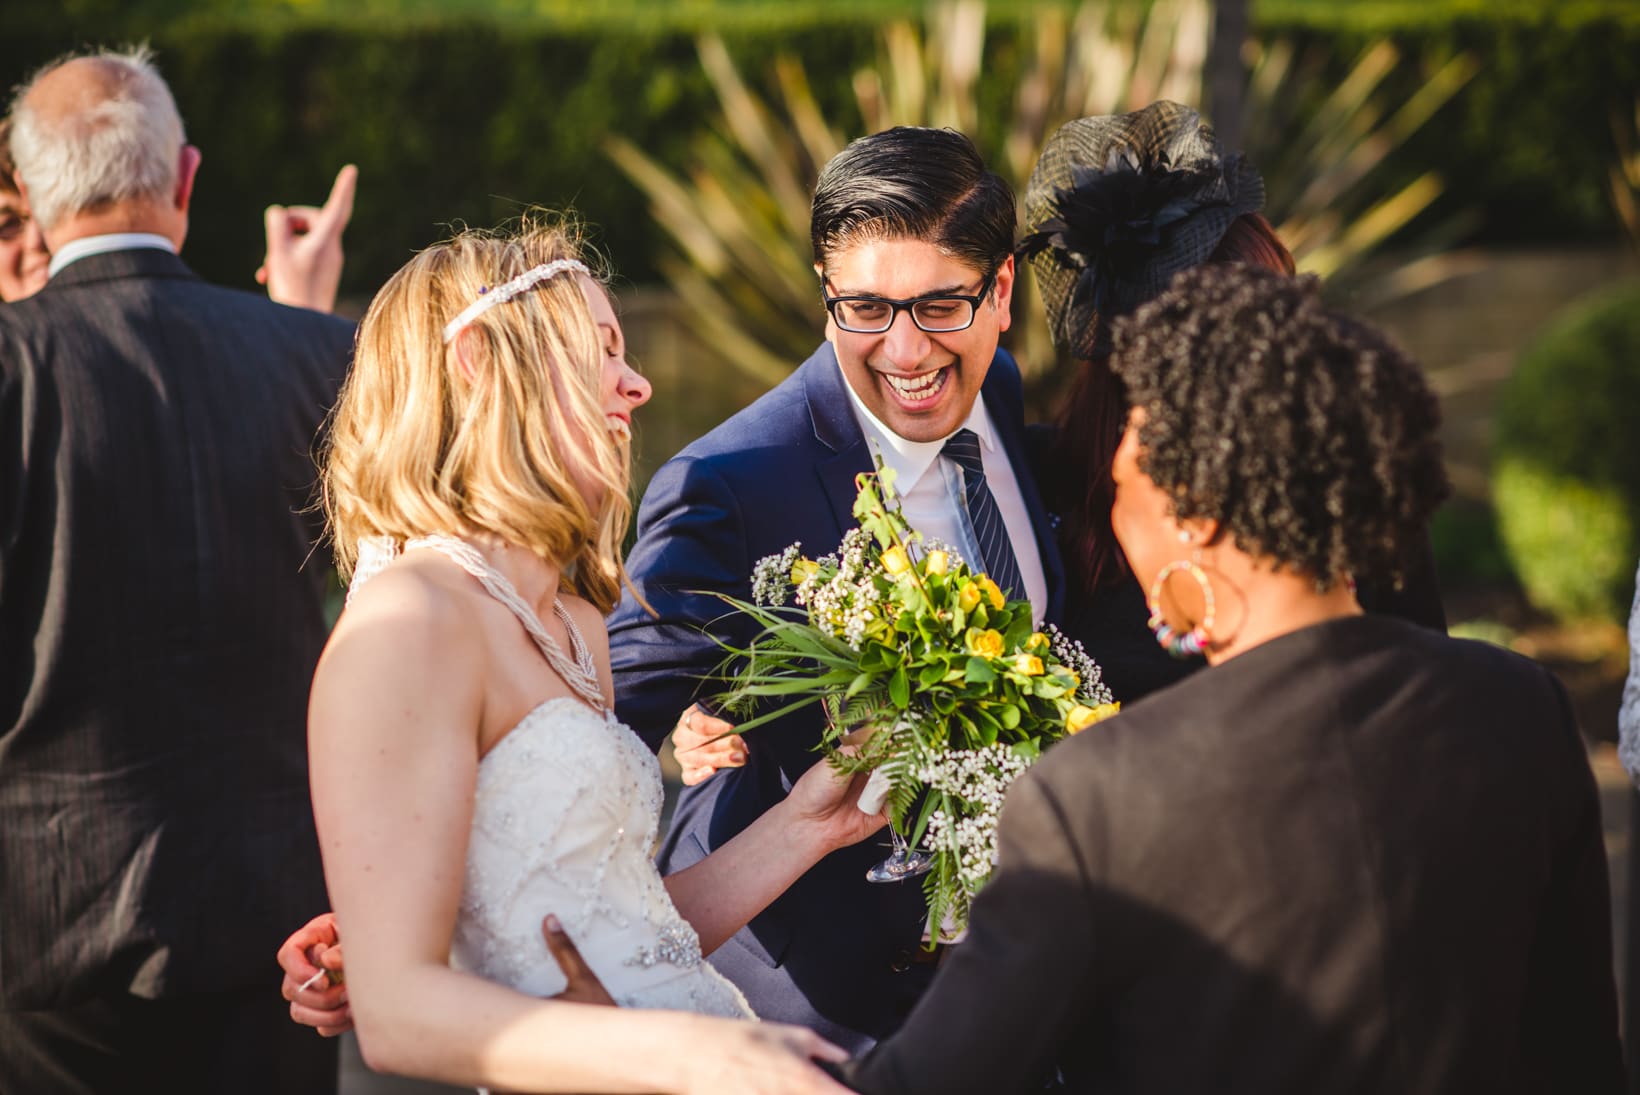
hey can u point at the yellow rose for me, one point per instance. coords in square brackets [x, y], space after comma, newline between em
[1037, 643]
[992, 592]
[894, 560]
[968, 597]
[984, 644]
[1028, 664]
[938, 562]
[803, 570]
[1082, 717]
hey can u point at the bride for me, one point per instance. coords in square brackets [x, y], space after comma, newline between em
[468, 773]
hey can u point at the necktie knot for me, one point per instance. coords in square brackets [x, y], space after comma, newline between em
[962, 448]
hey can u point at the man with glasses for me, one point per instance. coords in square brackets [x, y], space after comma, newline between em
[913, 242]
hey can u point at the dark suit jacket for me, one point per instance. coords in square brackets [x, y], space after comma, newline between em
[160, 618]
[1362, 857]
[835, 951]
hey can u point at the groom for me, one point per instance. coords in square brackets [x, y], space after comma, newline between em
[913, 242]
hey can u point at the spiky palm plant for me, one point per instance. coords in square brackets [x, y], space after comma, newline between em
[738, 216]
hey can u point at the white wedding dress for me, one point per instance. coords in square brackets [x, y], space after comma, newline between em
[564, 820]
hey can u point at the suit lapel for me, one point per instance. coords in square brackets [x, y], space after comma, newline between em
[836, 428]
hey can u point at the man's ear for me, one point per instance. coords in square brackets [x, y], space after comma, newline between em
[187, 167]
[1004, 290]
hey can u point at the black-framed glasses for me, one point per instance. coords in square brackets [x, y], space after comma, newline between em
[937, 314]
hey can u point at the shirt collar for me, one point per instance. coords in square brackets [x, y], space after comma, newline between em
[86, 246]
[911, 459]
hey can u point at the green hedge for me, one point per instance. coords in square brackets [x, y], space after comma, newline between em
[1566, 458]
[468, 118]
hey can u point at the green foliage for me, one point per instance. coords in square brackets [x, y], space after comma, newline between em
[467, 110]
[1567, 459]
[960, 691]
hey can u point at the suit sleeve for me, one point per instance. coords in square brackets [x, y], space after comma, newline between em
[1011, 993]
[691, 544]
[1570, 1030]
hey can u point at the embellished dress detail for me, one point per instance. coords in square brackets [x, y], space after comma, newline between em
[564, 822]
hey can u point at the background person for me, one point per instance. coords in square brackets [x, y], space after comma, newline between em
[1116, 206]
[160, 617]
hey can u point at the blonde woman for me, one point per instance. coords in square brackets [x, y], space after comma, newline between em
[468, 774]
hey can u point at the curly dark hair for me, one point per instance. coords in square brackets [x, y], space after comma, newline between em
[1307, 435]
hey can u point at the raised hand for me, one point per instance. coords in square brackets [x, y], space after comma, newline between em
[303, 265]
[704, 743]
[312, 961]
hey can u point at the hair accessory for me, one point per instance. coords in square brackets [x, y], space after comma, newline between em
[488, 298]
[1118, 204]
[1194, 641]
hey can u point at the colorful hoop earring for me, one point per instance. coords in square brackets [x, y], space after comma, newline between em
[1192, 642]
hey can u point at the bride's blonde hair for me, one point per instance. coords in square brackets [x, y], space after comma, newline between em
[491, 432]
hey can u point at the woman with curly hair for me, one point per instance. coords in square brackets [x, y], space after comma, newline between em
[1351, 855]
[1116, 206]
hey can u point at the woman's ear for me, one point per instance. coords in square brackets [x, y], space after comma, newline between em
[1203, 531]
[462, 357]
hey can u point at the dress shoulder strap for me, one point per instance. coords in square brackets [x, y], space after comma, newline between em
[580, 673]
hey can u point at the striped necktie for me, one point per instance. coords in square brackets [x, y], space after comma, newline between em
[983, 516]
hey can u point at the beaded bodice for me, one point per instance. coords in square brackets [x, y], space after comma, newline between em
[565, 813]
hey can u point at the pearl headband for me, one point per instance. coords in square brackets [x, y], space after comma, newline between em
[489, 298]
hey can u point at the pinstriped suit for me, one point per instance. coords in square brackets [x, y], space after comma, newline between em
[160, 621]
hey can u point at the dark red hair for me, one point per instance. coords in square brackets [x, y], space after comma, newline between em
[1091, 422]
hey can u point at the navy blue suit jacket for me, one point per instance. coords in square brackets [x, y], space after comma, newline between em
[835, 952]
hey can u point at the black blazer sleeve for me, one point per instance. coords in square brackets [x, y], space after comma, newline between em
[1004, 997]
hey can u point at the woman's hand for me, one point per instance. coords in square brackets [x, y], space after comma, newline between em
[743, 1058]
[312, 961]
[704, 743]
[828, 802]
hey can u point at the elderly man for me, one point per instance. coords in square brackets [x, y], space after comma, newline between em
[159, 625]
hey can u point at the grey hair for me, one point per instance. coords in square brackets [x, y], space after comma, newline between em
[126, 146]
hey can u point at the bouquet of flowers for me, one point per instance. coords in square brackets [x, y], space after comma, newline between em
[903, 636]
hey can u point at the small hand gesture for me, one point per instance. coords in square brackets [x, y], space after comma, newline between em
[303, 266]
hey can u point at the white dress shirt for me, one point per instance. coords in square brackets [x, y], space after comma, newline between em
[85, 246]
[933, 501]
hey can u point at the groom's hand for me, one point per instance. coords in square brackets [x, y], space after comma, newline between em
[704, 743]
[312, 957]
[584, 986]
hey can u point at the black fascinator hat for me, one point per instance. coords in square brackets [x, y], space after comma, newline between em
[1118, 204]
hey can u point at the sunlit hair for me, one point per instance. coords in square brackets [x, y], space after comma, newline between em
[8, 185]
[125, 146]
[417, 448]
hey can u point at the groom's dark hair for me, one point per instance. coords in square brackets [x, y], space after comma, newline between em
[911, 182]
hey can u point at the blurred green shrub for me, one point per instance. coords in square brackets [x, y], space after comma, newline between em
[467, 109]
[1566, 459]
